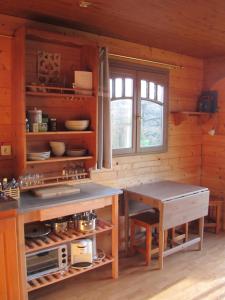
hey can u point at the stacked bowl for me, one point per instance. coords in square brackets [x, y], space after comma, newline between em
[38, 155]
[58, 148]
[77, 125]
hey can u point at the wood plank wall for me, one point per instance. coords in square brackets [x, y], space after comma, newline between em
[213, 148]
[182, 162]
[6, 104]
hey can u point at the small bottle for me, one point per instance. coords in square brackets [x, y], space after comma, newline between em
[52, 124]
[4, 183]
[27, 125]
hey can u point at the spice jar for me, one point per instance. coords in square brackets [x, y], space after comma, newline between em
[52, 124]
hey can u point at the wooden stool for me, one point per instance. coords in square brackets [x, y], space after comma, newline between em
[150, 222]
[213, 220]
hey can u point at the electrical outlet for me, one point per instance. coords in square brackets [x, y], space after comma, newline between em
[6, 150]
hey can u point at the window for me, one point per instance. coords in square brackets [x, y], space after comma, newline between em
[138, 110]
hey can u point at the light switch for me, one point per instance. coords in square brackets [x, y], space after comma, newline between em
[6, 150]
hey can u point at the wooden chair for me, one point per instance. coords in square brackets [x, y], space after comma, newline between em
[213, 220]
[150, 222]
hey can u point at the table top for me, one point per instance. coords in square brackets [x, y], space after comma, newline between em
[166, 190]
[88, 191]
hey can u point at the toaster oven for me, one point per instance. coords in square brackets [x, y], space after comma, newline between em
[46, 261]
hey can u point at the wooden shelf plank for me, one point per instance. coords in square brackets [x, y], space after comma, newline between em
[44, 94]
[55, 159]
[33, 245]
[180, 116]
[31, 134]
[50, 279]
[69, 182]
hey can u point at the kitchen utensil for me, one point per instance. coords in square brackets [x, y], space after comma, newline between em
[86, 221]
[77, 125]
[81, 253]
[38, 155]
[35, 116]
[59, 225]
[86, 225]
[76, 152]
[36, 230]
[56, 191]
[58, 148]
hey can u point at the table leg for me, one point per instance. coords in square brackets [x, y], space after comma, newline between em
[115, 237]
[126, 223]
[161, 239]
[201, 231]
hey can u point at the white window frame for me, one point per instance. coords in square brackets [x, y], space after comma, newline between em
[138, 73]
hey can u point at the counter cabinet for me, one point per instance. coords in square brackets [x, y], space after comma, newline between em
[45, 214]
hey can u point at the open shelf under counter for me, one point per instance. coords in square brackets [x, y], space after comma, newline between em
[55, 133]
[53, 239]
[58, 159]
[40, 282]
[180, 116]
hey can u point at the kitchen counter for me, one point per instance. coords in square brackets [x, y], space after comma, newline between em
[88, 191]
[7, 203]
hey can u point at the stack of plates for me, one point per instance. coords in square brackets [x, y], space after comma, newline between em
[38, 155]
[78, 125]
[76, 152]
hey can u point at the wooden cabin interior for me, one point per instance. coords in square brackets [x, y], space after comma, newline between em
[112, 150]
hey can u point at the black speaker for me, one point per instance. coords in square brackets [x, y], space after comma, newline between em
[207, 102]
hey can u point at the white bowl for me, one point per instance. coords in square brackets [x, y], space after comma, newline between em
[58, 148]
[78, 125]
[76, 152]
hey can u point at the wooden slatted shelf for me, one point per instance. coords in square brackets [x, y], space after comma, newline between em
[58, 159]
[53, 239]
[67, 133]
[40, 282]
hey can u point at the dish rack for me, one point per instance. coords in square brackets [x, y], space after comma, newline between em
[11, 192]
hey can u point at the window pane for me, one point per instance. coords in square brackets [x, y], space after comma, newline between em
[118, 87]
[152, 90]
[151, 124]
[121, 114]
[111, 88]
[143, 89]
[128, 87]
[160, 93]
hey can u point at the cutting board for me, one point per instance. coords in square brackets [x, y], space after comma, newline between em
[56, 191]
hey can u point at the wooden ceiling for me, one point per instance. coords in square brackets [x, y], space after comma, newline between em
[193, 27]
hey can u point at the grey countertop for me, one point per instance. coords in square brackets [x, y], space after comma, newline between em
[7, 203]
[88, 191]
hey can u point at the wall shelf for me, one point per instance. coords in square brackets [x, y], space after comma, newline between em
[55, 159]
[55, 133]
[59, 182]
[180, 116]
[55, 95]
[35, 284]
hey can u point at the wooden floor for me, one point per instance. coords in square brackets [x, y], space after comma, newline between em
[189, 275]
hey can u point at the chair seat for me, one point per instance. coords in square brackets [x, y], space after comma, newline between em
[148, 217]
